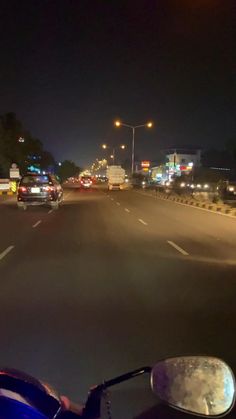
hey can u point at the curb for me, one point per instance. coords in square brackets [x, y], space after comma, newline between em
[204, 205]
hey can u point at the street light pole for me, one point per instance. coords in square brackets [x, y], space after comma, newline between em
[133, 127]
[133, 145]
[112, 156]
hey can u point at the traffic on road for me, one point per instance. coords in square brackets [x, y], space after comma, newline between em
[136, 273]
[117, 209]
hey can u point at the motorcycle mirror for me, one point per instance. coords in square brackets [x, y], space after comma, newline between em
[195, 384]
[24, 396]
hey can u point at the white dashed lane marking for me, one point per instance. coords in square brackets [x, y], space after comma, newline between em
[182, 251]
[6, 251]
[36, 224]
[142, 222]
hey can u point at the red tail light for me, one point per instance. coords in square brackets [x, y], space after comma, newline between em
[22, 189]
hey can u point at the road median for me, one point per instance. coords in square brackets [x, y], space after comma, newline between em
[198, 202]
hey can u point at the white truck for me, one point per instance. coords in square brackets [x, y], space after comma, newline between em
[116, 177]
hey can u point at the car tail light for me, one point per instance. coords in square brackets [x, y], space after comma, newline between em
[22, 189]
[49, 188]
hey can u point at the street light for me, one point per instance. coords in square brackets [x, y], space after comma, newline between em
[133, 127]
[112, 156]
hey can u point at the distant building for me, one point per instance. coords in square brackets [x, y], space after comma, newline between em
[183, 156]
[182, 160]
[178, 161]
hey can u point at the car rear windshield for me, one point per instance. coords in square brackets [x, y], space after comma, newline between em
[39, 180]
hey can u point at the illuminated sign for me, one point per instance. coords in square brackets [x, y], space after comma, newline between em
[145, 164]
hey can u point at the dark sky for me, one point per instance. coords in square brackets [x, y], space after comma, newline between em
[70, 67]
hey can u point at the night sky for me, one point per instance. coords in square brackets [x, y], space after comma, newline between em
[69, 68]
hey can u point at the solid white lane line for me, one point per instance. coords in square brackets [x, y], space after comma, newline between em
[142, 222]
[178, 248]
[117, 203]
[6, 251]
[127, 210]
[51, 210]
[36, 224]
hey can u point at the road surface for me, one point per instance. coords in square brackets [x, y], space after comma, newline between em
[110, 282]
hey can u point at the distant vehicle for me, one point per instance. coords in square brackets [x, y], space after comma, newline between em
[116, 177]
[227, 190]
[35, 189]
[141, 181]
[86, 182]
[101, 179]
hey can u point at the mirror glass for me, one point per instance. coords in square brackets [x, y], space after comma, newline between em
[197, 384]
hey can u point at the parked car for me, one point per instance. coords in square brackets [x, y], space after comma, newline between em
[35, 189]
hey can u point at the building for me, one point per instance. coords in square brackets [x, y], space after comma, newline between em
[182, 160]
[178, 161]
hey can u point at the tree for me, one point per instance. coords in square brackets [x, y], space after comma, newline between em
[47, 160]
[24, 153]
[68, 169]
[230, 146]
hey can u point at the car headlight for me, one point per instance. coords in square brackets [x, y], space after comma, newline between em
[182, 185]
[206, 186]
[231, 188]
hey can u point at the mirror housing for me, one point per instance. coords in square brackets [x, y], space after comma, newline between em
[19, 392]
[195, 384]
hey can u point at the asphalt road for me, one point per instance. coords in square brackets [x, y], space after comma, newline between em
[110, 282]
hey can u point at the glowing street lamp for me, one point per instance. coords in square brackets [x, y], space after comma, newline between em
[148, 124]
[112, 156]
